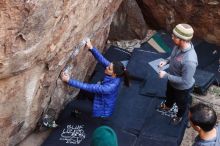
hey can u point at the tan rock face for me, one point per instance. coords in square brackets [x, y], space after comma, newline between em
[37, 38]
[203, 15]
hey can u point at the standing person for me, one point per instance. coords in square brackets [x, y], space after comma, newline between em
[183, 62]
[107, 91]
[203, 119]
[104, 136]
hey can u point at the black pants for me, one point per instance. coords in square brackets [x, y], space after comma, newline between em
[181, 97]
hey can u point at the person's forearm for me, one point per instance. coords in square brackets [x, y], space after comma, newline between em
[174, 79]
[94, 88]
[99, 57]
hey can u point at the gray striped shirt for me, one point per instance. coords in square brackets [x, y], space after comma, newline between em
[182, 67]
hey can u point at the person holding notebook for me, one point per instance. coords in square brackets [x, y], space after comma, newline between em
[182, 66]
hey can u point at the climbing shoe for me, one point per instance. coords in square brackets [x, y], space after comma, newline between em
[163, 108]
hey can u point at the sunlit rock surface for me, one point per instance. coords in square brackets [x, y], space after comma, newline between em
[37, 38]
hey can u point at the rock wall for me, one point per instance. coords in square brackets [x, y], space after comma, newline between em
[203, 15]
[37, 38]
[128, 22]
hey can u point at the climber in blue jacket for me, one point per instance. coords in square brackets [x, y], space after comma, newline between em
[107, 91]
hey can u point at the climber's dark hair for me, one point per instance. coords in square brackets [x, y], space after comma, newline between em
[121, 71]
[203, 116]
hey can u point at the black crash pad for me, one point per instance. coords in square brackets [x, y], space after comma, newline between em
[207, 54]
[152, 141]
[203, 80]
[154, 87]
[160, 127]
[131, 109]
[215, 69]
[138, 66]
[77, 130]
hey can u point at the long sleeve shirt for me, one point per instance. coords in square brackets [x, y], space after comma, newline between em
[182, 67]
[105, 93]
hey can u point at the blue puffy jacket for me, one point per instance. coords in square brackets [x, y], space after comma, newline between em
[105, 93]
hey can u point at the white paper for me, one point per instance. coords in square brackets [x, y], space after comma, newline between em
[154, 64]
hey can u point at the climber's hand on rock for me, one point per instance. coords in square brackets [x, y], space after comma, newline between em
[89, 44]
[65, 77]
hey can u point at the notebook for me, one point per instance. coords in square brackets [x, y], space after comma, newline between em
[154, 64]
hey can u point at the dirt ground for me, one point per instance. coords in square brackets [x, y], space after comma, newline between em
[212, 98]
